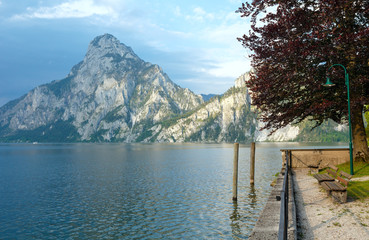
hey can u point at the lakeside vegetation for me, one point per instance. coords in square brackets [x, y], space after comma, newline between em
[366, 116]
[361, 168]
[357, 189]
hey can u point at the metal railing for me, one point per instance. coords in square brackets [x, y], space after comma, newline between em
[283, 221]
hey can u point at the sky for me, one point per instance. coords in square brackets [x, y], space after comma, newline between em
[194, 41]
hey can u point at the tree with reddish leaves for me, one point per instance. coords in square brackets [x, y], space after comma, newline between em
[293, 44]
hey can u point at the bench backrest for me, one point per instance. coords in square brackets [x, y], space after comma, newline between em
[334, 168]
[342, 180]
[334, 174]
[346, 175]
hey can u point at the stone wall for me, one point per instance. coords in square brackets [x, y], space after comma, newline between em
[316, 158]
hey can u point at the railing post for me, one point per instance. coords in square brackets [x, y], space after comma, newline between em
[283, 222]
[235, 171]
[252, 163]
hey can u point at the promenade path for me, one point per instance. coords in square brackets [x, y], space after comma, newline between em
[319, 217]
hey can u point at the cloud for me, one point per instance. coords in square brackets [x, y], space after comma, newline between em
[217, 58]
[70, 9]
[177, 11]
[223, 63]
[230, 58]
[200, 15]
[230, 69]
[239, 2]
[194, 43]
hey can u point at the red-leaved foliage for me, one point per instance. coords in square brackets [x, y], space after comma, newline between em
[293, 44]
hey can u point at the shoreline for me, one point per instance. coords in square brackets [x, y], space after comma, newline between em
[267, 225]
[312, 213]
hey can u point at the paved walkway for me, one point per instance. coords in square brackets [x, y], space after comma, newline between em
[319, 217]
[268, 223]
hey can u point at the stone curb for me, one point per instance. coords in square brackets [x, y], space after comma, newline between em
[267, 225]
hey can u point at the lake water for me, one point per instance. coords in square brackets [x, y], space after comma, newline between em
[132, 191]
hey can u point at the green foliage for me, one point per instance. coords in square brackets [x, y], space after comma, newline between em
[358, 190]
[323, 133]
[360, 168]
[234, 132]
[113, 115]
[366, 115]
[98, 136]
[233, 90]
[11, 104]
[4, 131]
[115, 56]
[59, 131]
[174, 119]
[208, 97]
[146, 70]
[60, 87]
[145, 134]
[144, 128]
[210, 129]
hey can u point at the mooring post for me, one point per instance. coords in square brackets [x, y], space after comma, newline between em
[235, 171]
[252, 163]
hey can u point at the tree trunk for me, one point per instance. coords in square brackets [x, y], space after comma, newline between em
[360, 145]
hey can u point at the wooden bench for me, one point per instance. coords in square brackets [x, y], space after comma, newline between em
[338, 189]
[314, 167]
[330, 176]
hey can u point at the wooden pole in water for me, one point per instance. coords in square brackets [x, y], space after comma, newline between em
[252, 163]
[235, 171]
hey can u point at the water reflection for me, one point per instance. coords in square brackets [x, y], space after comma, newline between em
[235, 220]
[242, 220]
[252, 196]
[130, 191]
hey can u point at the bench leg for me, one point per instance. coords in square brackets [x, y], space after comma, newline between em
[339, 196]
[328, 193]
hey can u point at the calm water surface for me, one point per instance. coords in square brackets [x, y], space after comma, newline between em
[131, 191]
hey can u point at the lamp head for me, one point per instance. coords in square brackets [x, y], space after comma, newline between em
[328, 83]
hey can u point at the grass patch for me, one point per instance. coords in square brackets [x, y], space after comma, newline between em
[358, 190]
[337, 224]
[274, 182]
[360, 168]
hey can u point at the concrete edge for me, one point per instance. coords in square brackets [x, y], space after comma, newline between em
[267, 226]
[292, 214]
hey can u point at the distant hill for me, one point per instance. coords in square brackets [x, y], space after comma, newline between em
[207, 97]
[114, 96]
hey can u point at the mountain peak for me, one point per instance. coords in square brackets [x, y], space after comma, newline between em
[103, 40]
[112, 95]
[107, 44]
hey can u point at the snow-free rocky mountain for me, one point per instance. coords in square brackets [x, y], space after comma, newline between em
[113, 95]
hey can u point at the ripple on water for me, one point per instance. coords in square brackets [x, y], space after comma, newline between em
[127, 192]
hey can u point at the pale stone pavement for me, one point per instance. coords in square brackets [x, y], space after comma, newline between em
[319, 217]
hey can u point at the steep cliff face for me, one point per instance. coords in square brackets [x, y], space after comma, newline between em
[225, 118]
[111, 95]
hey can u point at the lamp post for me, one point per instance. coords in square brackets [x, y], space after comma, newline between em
[330, 84]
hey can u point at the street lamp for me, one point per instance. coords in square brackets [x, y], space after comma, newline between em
[330, 84]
